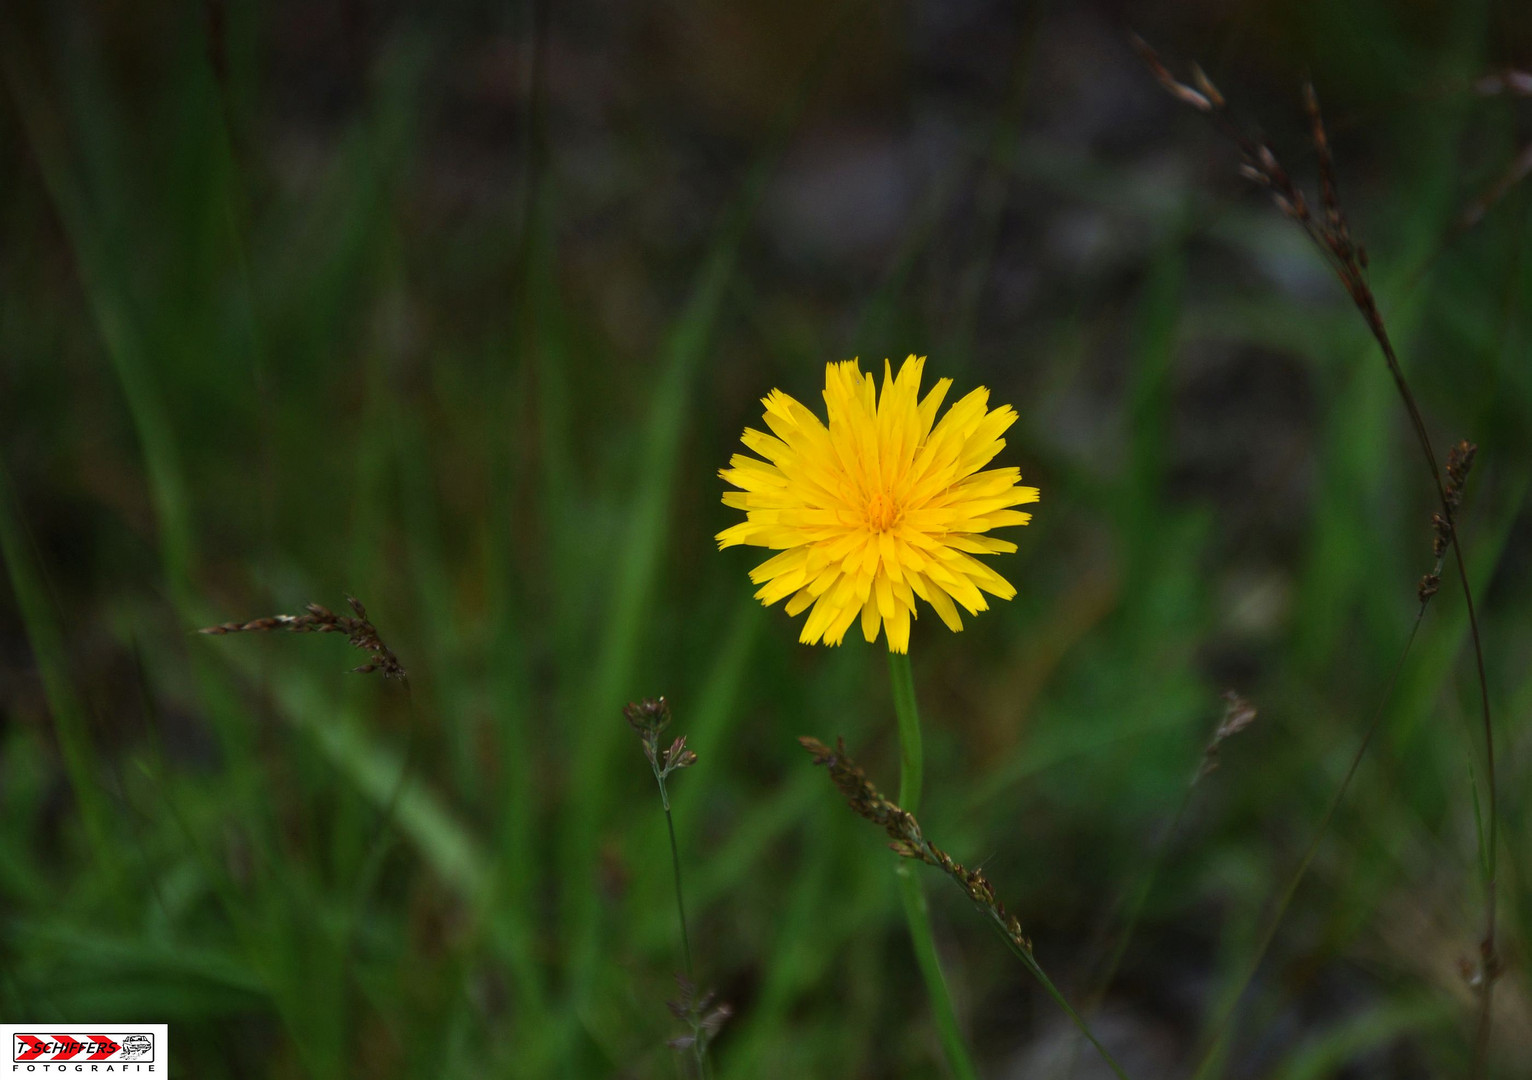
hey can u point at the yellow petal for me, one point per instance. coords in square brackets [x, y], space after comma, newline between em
[898, 629]
[871, 620]
[880, 506]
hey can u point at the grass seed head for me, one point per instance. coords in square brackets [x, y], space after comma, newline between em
[318, 619]
[905, 836]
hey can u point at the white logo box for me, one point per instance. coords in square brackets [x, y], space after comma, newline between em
[87, 1049]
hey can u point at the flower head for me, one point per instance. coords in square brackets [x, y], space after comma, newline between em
[880, 506]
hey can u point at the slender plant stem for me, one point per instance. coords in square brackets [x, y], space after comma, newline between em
[916, 914]
[911, 751]
[1346, 260]
[1025, 956]
[1219, 1031]
[1489, 948]
[1136, 908]
[675, 866]
[699, 1053]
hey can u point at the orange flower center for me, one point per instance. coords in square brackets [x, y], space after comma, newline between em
[882, 512]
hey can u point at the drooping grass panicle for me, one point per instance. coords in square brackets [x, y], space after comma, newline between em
[1459, 461]
[317, 619]
[905, 836]
[908, 840]
[1238, 714]
[1331, 234]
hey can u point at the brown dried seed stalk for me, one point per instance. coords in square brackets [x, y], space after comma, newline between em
[318, 619]
[1349, 262]
[905, 835]
[1459, 461]
[1347, 259]
[1238, 714]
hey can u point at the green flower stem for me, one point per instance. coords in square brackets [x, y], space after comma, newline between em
[911, 765]
[911, 756]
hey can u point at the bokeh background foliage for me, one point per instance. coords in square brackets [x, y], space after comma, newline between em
[459, 307]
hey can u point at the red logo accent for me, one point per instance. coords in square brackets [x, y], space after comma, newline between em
[105, 1048]
[69, 1046]
[66, 1047]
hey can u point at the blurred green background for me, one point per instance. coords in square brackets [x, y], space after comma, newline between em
[458, 308]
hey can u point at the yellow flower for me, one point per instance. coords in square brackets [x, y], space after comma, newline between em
[879, 507]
